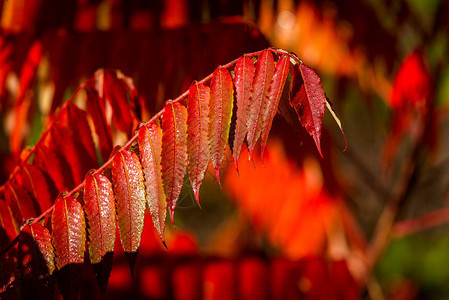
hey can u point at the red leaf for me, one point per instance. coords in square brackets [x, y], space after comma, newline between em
[174, 152]
[150, 147]
[69, 232]
[9, 225]
[29, 68]
[243, 80]
[34, 181]
[43, 252]
[116, 92]
[129, 189]
[198, 127]
[273, 97]
[99, 204]
[76, 122]
[50, 163]
[221, 103]
[20, 202]
[95, 108]
[261, 83]
[310, 103]
[412, 83]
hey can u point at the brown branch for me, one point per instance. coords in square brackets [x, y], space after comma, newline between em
[423, 222]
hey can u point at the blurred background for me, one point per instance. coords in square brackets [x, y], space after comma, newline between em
[366, 223]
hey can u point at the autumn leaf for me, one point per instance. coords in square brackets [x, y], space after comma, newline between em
[243, 79]
[221, 103]
[68, 232]
[129, 189]
[150, 147]
[310, 102]
[197, 131]
[99, 204]
[264, 73]
[174, 152]
[273, 97]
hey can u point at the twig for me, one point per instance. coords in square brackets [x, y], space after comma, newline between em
[423, 222]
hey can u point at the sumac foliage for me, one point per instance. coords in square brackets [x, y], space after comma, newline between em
[149, 170]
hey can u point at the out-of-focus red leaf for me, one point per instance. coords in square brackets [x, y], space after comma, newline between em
[412, 83]
[52, 164]
[219, 281]
[118, 93]
[243, 79]
[310, 102]
[29, 68]
[20, 202]
[96, 109]
[21, 110]
[34, 181]
[150, 147]
[197, 130]
[273, 97]
[68, 232]
[262, 79]
[253, 279]
[76, 121]
[99, 204]
[174, 152]
[221, 103]
[129, 189]
[186, 280]
[10, 228]
[411, 101]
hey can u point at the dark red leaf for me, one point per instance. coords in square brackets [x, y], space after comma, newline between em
[150, 147]
[96, 109]
[198, 128]
[34, 181]
[9, 226]
[243, 79]
[52, 164]
[129, 189]
[68, 231]
[174, 152]
[310, 103]
[99, 204]
[221, 103]
[117, 92]
[20, 202]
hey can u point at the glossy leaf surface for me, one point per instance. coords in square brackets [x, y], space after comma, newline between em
[99, 205]
[243, 79]
[150, 147]
[262, 79]
[197, 131]
[174, 152]
[129, 189]
[221, 103]
[68, 232]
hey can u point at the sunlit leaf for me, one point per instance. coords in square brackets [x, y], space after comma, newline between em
[174, 152]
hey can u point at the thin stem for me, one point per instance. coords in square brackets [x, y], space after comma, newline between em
[423, 222]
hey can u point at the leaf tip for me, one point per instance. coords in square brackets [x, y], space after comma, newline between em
[217, 174]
